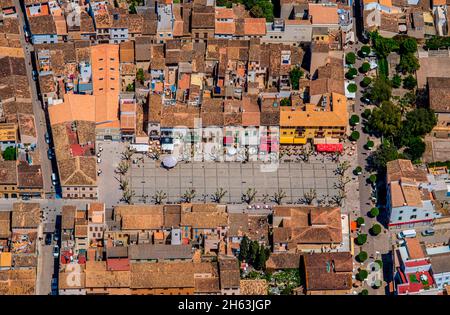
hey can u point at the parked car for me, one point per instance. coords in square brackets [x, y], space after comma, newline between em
[56, 251]
[428, 232]
[35, 75]
[53, 179]
[54, 286]
[48, 239]
[50, 154]
[407, 234]
[99, 160]
[47, 138]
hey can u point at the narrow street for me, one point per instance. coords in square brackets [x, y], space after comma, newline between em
[39, 115]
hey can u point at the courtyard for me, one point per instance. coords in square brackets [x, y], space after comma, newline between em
[294, 178]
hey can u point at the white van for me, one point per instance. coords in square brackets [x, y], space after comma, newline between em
[407, 234]
[54, 178]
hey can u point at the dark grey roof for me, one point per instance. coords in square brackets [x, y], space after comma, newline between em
[117, 252]
[440, 263]
[159, 251]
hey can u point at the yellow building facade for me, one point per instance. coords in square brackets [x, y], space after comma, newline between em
[298, 124]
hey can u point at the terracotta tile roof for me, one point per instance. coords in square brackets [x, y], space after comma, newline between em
[172, 215]
[224, 13]
[204, 219]
[169, 274]
[47, 84]
[25, 215]
[439, 94]
[30, 176]
[135, 23]
[203, 18]
[18, 281]
[251, 115]
[328, 271]
[283, 261]
[12, 66]
[78, 171]
[139, 217]
[229, 272]
[5, 224]
[322, 14]
[8, 173]
[97, 276]
[225, 28]
[68, 217]
[401, 168]
[414, 248]
[42, 25]
[206, 285]
[322, 86]
[402, 195]
[307, 225]
[255, 26]
[24, 260]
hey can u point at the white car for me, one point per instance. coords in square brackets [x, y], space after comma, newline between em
[56, 251]
[99, 160]
[99, 172]
[99, 155]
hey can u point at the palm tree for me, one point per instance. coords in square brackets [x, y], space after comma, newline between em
[188, 195]
[309, 196]
[123, 167]
[219, 194]
[342, 167]
[159, 197]
[249, 195]
[279, 196]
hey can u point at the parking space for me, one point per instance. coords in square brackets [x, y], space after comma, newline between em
[147, 176]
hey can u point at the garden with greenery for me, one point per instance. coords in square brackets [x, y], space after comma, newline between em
[280, 282]
[9, 154]
[257, 8]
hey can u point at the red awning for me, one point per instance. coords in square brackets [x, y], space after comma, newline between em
[331, 147]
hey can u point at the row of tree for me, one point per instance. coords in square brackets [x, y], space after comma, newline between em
[253, 253]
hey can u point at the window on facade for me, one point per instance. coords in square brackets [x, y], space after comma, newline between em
[399, 218]
[413, 217]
